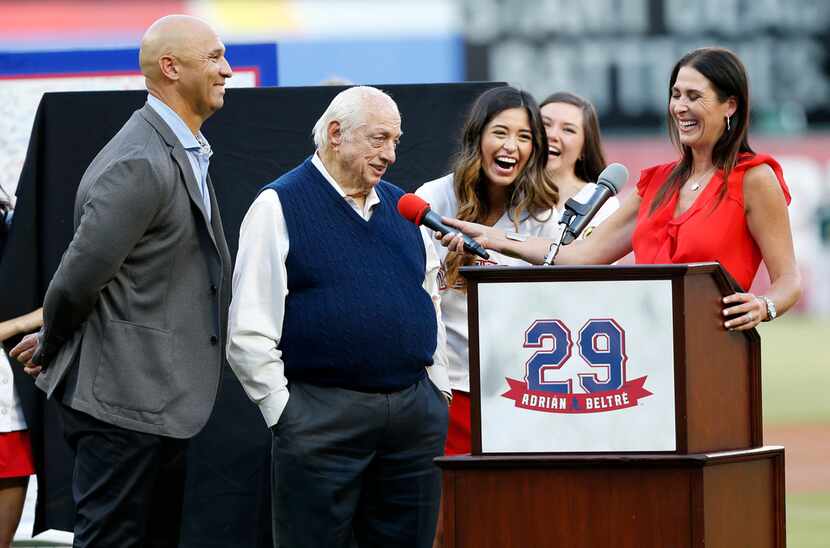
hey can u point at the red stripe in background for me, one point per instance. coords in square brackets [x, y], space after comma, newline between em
[31, 20]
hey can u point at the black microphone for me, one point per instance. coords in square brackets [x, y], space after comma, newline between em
[414, 208]
[577, 214]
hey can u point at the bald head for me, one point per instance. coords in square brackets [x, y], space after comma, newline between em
[172, 35]
[184, 65]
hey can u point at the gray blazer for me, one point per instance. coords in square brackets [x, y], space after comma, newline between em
[139, 301]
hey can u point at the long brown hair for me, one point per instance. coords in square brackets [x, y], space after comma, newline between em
[591, 161]
[533, 192]
[728, 77]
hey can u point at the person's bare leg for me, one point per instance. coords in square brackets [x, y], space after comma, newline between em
[12, 496]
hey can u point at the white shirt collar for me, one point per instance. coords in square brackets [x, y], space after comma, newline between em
[186, 137]
[372, 199]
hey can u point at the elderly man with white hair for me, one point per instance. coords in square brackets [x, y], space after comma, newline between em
[335, 332]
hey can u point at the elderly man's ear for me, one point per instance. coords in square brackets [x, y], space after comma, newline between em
[335, 135]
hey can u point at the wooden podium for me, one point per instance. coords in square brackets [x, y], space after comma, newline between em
[610, 408]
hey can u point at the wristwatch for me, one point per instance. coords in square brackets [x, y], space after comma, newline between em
[771, 313]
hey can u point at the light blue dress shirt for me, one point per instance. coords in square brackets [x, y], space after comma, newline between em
[197, 147]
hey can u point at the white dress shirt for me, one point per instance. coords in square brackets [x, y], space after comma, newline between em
[11, 412]
[260, 286]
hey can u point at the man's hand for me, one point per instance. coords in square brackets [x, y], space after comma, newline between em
[25, 351]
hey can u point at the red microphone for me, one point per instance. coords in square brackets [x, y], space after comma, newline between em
[413, 208]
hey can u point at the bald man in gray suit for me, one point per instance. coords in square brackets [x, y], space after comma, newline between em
[135, 316]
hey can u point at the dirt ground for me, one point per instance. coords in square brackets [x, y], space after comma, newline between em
[807, 455]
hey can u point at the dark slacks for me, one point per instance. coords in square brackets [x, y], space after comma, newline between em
[128, 486]
[353, 463]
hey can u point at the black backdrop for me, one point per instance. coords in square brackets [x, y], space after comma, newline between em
[258, 135]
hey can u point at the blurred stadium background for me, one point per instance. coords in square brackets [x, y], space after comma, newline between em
[618, 53]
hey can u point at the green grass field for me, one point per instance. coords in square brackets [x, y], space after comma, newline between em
[808, 520]
[796, 380]
[796, 372]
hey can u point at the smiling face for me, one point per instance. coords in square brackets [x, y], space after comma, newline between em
[366, 151]
[696, 109]
[564, 127]
[203, 72]
[506, 146]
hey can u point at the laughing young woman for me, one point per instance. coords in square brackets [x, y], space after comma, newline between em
[499, 181]
[575, 156]
[720, 201]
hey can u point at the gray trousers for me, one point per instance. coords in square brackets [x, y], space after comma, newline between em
[358, 465]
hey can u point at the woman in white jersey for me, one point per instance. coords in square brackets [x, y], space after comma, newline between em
[499, 179]
[575, 156]
[504, 177]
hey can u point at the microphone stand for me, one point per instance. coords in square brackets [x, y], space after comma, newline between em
[573, 208]
[553, 250]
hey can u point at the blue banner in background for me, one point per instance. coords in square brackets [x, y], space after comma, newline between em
[424, 59]
[261, 58]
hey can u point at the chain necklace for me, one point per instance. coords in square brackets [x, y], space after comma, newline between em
[695, 186]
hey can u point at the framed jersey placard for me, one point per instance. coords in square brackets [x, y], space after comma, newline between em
[576, 366]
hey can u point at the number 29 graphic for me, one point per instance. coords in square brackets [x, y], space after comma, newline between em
[600, 343]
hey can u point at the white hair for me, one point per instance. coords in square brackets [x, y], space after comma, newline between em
[349, 108]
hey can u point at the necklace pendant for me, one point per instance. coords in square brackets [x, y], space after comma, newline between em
[695, 187]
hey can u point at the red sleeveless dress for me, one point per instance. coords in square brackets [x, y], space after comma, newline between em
[702, 233]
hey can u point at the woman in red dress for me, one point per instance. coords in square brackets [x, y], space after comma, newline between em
[719, 202]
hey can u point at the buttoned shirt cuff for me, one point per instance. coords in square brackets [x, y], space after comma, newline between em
[440, 378]
[273, 405]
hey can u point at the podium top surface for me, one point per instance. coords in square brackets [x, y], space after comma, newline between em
[549, 460]
[484, 274]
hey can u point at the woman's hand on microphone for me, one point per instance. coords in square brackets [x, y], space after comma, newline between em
[488, 237]
[531, 249]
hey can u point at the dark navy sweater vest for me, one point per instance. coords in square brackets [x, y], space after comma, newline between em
[356, 314]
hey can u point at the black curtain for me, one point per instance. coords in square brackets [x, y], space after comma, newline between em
[259, 135]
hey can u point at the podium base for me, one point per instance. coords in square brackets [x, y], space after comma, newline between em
[713, 500]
